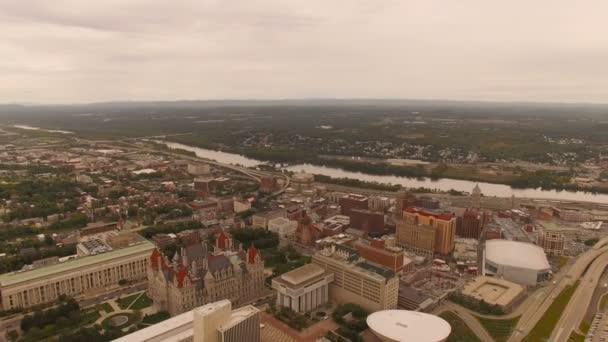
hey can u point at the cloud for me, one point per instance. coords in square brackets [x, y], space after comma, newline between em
[77, 51]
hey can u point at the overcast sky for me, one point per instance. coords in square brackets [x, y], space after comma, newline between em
[63, 51]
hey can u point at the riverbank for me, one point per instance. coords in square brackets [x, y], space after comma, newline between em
[544, 180]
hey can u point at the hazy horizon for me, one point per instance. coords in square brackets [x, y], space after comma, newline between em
[73, 52]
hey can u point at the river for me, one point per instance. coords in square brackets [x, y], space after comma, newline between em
[445, 184]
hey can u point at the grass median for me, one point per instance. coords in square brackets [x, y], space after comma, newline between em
[543, 329]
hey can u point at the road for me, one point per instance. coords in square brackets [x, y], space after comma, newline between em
[580, 301]
[534, 313]
[472, 322]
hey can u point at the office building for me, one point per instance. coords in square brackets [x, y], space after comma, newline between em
[284, 227]
[213, 322]
[367, 220]
[376, 251]
[303, 289]
[551, 242]
[356, 280]
[352, 201]
[306, 232]
[78, 278]
[260, 220]
[426, 232]
[405, 199]
[471, 224]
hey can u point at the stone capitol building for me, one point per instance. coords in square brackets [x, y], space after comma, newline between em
[195, 276]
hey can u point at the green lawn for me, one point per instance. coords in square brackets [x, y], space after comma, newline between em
[543, 329]
[584, 327]
[142, 302]
[156, 318]
[107, 307]
[124, 302]
[90, 316]
[603, 302]
[574, 337]
[460, 331]
[499, 329]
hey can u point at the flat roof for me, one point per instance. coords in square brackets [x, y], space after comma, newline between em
[493, 291]
[405, 325]
[516, 254]
[237, 316]
[302, 274]
[167, 330]
[13, 278]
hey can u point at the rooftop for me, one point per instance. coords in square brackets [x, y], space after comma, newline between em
[493, 291]
[404, 325]
[237, 316]
[516, 254]
[302, 274]
[13, 278]
[181, 327]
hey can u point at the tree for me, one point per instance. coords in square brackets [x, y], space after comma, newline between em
[12, 335]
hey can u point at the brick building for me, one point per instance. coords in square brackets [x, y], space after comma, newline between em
[427, 232]
[367, 220]
[352, 201]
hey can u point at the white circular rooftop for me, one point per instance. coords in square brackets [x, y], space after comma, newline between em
[405, 325]
[516, 254]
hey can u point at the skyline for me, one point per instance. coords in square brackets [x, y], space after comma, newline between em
[70, 52]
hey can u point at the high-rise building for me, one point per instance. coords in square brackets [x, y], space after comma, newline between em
[195, 276]
[213, 322]
[405, 199]
[551, 242]
[427, 232]
[472, 224]
[306, 232]
[356, 280]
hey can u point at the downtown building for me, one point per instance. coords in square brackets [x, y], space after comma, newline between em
[471, 224]
[427, 232]
[213, 322]
[195, 276]
[82, 277]
[356, 280]
[303, 289]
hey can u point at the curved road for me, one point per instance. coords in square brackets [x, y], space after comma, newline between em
[472, 322]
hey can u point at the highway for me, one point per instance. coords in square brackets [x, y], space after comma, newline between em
[580, 301]
[534, 313]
